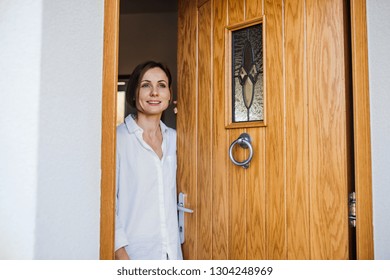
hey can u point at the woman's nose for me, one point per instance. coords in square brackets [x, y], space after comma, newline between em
[154, 91]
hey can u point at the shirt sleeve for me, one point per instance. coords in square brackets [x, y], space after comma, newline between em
[120, 235]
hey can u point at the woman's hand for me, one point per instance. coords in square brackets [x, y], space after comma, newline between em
[121, 254]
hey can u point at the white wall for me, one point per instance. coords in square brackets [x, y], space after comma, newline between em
[51, 75]
[378, 13]
[20, 55]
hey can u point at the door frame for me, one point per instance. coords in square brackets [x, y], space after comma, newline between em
[108, 148]
[361, 129]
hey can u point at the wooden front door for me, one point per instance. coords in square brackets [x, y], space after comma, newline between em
[292, 202]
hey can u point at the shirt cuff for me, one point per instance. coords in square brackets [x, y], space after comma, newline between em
[120, 239]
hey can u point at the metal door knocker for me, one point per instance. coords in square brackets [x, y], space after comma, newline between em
[245, 142]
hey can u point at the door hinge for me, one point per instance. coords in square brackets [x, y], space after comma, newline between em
[352, 209]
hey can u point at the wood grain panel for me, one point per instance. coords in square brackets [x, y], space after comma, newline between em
[253, 9]
[255, 198]
[187, 117]
[237, 182]
[235, 11]
[205, 153]
[202, 2]
[297, 185]
[327, 129]
[220, 138]
[110, 78]
[237, 201]
[362, 141]
[275, 188]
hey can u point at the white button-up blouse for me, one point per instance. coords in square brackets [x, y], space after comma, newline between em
[146, 205]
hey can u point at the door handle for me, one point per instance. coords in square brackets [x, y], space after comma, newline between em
[181, 209]
[186, 210]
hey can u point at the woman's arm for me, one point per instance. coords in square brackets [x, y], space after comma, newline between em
[121, 254]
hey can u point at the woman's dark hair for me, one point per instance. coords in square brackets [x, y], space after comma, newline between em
[136, 76]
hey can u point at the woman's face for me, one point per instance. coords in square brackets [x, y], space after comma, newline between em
[154, 93]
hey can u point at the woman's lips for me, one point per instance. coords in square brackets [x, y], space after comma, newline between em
[154, 102]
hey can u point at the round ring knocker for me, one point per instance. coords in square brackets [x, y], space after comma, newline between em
[245, 142]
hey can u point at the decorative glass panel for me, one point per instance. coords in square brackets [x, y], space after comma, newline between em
[247, 76]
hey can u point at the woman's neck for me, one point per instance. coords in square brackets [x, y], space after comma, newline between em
[149, 124]
[152, 133]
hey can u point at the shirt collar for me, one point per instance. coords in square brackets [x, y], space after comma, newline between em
[133, 127]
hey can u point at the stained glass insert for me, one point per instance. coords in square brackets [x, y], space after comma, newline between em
[247, 77]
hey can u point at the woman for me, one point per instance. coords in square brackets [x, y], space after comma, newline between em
[146, 210]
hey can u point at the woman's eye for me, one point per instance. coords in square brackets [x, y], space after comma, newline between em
[145, 85]
[162, 85]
